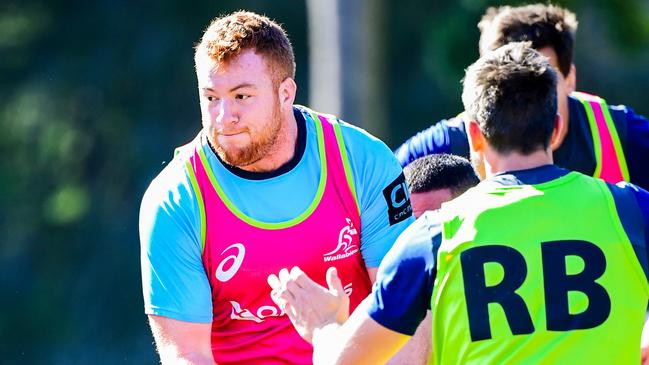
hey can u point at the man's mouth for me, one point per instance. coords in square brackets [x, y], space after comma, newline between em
[229, 134]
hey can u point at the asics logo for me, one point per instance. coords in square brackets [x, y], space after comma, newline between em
[346, 246]
[348, 289]
[258, 317]
[235, 259]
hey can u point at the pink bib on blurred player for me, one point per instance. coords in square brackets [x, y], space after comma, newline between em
[611, 163]
[240, 252]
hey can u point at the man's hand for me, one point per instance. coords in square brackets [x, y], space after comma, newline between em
[309, 305]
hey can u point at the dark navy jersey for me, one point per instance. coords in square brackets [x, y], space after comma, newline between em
[445, 136]
[576, 153]
[404, 284]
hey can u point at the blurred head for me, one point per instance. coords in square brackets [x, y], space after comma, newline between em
[510, 94]
[551, 31]
[245, 69]
[435, 179]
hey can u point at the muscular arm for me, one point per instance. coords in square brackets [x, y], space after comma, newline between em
[182, 343]
[177, 297]
[174, 283]
[418, 350]
[405, 268]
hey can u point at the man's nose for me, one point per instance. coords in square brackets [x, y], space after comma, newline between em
[226, 113]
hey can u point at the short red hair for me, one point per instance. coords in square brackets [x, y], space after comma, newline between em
[228, 35]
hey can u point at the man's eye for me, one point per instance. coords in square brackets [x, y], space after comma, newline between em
[210, 98]
[242, 97]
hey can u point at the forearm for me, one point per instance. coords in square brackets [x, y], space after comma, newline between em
[327, 344]
[360, 340]
[418, 350]
[181, 342]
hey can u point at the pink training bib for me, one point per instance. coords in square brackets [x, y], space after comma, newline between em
[611, 163]
[240, 252]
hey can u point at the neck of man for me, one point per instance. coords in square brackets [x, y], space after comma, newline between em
[497, 163]
[284, 148]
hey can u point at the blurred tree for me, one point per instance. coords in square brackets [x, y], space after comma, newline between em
[432, 42]
[347, 59]
[95, 95]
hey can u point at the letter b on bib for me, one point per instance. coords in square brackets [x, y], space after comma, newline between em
[557, 283]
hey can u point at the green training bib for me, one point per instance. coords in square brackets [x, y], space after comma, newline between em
[537, 274]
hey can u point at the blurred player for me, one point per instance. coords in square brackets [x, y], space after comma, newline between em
[435, 179]
[266, 184]
[610, 142]
[536, 264]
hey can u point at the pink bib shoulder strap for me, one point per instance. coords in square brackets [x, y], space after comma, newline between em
[611, 163]
[338, 160]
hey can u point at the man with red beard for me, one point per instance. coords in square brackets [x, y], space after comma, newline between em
[265, 184]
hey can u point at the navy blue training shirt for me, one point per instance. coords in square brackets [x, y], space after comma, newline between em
[576, 153]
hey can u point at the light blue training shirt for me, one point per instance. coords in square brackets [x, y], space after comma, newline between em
[173, 278]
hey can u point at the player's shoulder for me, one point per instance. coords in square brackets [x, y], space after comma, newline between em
[629, 193]
[362, 145]
[373, 164]
[637, 126]
[171, 183]
[352, 135]
[418, 241]
[622, 109]
[632, 206]
[619, 112]
[424, 231]
[359, 137]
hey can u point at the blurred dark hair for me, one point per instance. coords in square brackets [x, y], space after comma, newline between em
[542, 25]
[440, 171]
[511, 92]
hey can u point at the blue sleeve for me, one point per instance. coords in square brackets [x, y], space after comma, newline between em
[632, 204]
[174, 283]
[446, 136]
[637, 145]
[381, 192]
[403, 289]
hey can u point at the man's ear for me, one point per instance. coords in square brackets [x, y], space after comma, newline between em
[286, 92]
[557, 132]
[571, 79]
[476, 137]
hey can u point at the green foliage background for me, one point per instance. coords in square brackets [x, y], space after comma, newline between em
[94, 95]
